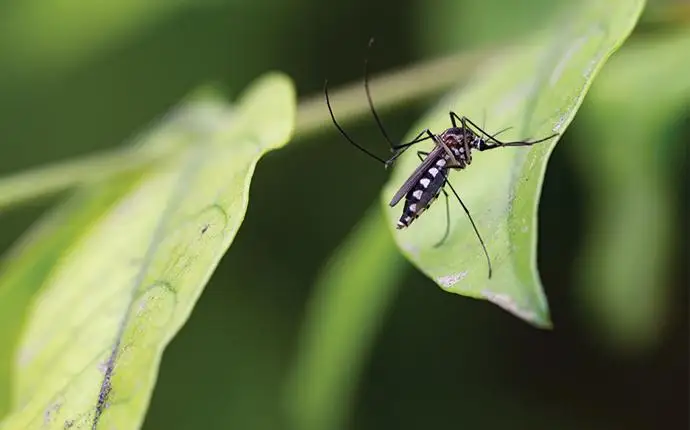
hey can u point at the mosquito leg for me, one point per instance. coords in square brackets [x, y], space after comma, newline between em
[417, 139]
[474, 226]
[397, 148]
[447, 232]
[342, 131]
[499, 144]
[369, 99]
[454, 118]
[404, 147]
[466, 120]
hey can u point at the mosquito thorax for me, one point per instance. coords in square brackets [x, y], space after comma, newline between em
[460, 141]
[456, 135]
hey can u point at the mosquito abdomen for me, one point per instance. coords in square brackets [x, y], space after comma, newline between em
[424, 193]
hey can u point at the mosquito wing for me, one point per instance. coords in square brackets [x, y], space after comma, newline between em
[429, 161]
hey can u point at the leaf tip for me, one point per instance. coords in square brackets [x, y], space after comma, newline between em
[277, 83]
[269, 102]
[538, 315]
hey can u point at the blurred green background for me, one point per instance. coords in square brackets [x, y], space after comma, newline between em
[76, 77]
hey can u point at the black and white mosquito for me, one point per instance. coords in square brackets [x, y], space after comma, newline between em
[452, 150]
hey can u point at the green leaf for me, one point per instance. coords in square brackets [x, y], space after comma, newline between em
[536, 88]
[25, 268]
[628, 249]
[117, 286]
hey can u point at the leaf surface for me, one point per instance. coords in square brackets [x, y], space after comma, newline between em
[125, 279]
[536, 89]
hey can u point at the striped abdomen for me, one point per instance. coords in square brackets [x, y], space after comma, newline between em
[424, 192]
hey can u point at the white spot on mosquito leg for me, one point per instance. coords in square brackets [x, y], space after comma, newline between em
[450, 280]
[506, 302]
[425, 182]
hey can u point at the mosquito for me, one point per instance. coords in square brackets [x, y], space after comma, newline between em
[452, 151]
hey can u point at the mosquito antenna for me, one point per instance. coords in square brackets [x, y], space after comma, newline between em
[469, 121]
[514, 143]
[340, 129]
[474, 226]
[503, 130]
[493, 136]
[527, 142]
[368, 91]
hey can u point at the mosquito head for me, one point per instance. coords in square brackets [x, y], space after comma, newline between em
[457, 136]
